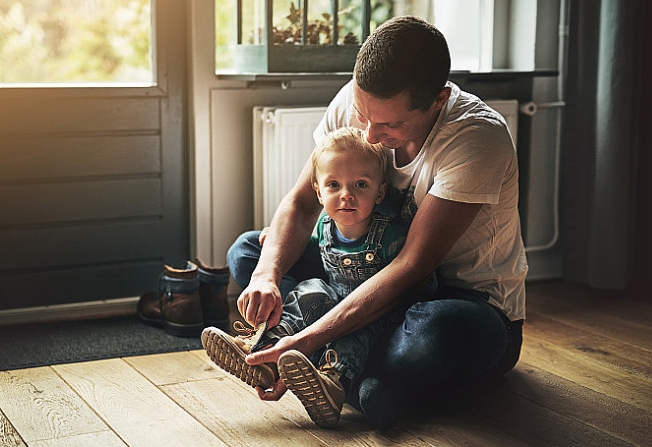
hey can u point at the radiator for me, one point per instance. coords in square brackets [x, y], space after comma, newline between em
[282, 143]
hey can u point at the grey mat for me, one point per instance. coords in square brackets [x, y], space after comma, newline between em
[39, 344]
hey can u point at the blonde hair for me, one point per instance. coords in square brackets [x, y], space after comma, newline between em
[348, 139]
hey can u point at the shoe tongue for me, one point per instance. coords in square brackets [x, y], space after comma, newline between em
[259, 331]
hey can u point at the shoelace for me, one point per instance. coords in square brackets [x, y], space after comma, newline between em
[248, 335]
[244, 330]
[331, 360]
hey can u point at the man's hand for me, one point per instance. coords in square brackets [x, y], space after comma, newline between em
[261, 301]
[271, 355]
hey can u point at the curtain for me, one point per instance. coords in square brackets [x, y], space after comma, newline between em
[601, 144]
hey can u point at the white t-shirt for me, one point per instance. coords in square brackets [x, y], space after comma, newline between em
[469, 156]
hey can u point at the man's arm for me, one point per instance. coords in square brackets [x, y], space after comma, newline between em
[285, 242]
[436, 227]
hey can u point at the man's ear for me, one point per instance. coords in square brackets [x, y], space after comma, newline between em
[381, 193]
[442, 98]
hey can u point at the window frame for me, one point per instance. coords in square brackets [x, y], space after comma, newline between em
[157, 88]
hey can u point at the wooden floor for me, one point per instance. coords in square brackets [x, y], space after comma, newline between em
[584, 379]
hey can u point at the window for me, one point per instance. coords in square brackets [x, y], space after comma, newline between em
[482, 34]
[57, 42]
[468, 27]
[287, 11]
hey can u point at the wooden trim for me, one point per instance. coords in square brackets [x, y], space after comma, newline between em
[67, 312]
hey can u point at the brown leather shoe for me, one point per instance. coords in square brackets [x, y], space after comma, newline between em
[176, 306]
[213, 285]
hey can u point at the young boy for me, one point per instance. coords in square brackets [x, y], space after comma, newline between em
[356, 240]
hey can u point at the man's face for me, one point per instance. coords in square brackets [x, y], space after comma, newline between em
[391, 122]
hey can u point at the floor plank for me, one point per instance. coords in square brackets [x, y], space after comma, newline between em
[577, 402]
[456, 428]
[236, 416]
[55, 411]
[604, 349]
[132, 406]
[174, 367]
[539, 426]
[584, 369]
[603, 313]
[100, 439]
[9, 437]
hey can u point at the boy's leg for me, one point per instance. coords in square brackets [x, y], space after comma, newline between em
[304, 305]
[321, 383]
[244, 254]
[317, 387]
[353, 349]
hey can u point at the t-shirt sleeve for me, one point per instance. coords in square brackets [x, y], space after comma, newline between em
[474, 165]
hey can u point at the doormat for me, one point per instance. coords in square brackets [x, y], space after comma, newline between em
[52, 343]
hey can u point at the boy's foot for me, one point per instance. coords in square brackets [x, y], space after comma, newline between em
[229, 353]
[319, 390]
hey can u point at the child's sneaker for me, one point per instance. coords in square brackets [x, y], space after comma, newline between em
[319, 390]
[229, 353]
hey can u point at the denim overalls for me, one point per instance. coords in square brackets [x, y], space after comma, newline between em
[346, 271]
[313, 298]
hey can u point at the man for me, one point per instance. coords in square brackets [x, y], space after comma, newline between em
[456, 176]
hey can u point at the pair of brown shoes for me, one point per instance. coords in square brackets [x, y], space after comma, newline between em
[187, 300]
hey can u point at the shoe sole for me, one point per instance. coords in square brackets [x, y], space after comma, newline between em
[178, 330]
[228, 356]
[183, 330]
[302, 378]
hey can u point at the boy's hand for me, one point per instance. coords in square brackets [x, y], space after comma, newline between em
[274, 393]
[263, 235]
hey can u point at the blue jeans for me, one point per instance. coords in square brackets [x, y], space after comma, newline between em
[453, 337]
[312, 299]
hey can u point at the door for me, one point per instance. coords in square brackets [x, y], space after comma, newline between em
[93, 181]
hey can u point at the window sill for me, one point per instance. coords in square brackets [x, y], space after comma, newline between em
[285, 79]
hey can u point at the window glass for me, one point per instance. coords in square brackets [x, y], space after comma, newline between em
[286, 21]
[468, 27]
[76, 42]
[467, 24]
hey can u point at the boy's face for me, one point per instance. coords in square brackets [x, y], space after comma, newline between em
[349, 185]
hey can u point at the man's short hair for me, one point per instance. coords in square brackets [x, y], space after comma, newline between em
[404, 53]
